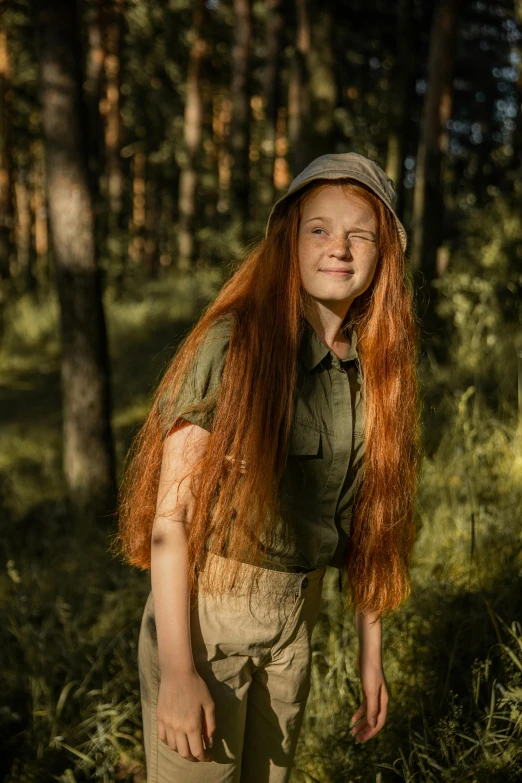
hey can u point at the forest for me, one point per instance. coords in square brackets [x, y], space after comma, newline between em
[142, 145]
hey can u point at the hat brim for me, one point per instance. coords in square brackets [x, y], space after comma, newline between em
[335, 174]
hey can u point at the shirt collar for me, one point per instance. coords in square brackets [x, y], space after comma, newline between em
[313, 350]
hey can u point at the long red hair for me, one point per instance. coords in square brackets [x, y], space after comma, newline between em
[253, 417]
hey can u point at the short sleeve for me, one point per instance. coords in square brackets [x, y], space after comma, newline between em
[201, 384]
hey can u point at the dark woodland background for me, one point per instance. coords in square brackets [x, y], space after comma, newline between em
[142, 144]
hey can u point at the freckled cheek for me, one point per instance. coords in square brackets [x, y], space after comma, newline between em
[370, 270]
[307, 257]
[304, 246]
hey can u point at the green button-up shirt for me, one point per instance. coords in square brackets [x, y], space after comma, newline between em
[326, 448]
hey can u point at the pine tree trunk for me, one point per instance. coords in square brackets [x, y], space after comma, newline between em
[39, 210]
[323, 85]
[401, 91]
[221, 130]
[88, 457]
[428, 196]
[192, 139]
[24, 228]
[274, 28]
[112, 35]
[240, 121]
[517, 133]
[136, 250]
[299, 113]
[6, 181]
[151, 259]
[282, 176]
[94, 88]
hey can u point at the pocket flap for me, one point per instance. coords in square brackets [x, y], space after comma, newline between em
[304, 440]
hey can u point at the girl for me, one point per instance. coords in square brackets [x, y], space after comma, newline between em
[283, 438]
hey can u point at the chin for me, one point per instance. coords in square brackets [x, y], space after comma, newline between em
[329, 297]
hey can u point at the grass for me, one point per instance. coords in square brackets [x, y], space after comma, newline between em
[70, 614]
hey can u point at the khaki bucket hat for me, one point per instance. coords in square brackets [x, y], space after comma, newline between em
[348, 164]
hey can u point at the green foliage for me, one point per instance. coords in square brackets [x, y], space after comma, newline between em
[481, 291]
[69, 679]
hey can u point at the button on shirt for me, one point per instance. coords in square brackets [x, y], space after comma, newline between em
[326, 446]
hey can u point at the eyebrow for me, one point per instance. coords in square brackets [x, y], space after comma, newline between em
[328, 220]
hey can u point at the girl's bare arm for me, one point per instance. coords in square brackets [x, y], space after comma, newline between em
[185, 707]
[371, 715]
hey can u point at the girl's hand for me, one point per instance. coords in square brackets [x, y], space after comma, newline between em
[371, 715]
[185, 715]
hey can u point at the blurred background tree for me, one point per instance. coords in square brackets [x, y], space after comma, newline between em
[142, 145]
[88, 457]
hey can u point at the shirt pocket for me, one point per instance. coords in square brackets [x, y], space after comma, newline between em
[303, 484]
[303, 441]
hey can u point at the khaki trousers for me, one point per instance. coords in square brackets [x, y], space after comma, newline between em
[255, 657]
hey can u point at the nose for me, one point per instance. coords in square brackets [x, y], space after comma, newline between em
[340, 248]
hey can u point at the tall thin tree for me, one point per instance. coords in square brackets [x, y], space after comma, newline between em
[6, 180]
[93, 85]
[192, 125]
[299, 112]
[88, 456]
[517, 133]
[402, 84]
[271, 85]
[111, 111]
[240, 120]
[428, 202]
[322, 80]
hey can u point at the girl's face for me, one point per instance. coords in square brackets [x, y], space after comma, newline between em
[338, 247]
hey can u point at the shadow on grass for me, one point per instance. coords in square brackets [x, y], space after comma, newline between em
[69, 622]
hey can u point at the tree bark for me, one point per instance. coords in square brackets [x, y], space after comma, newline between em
[322, 85]
[136, 250]
[221, 131]
[517, 133]
[282, 176]
[299, 112]
[150, 250]
[39, 210]
[24, 227]
[110, 109]
[6, 178]
[402, 89]
[274, 28]
[240, 122]
[88, 456]
[192, 140]
[95, 62]
[428, 199]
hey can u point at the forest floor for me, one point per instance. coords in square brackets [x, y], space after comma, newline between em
[70, 612]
